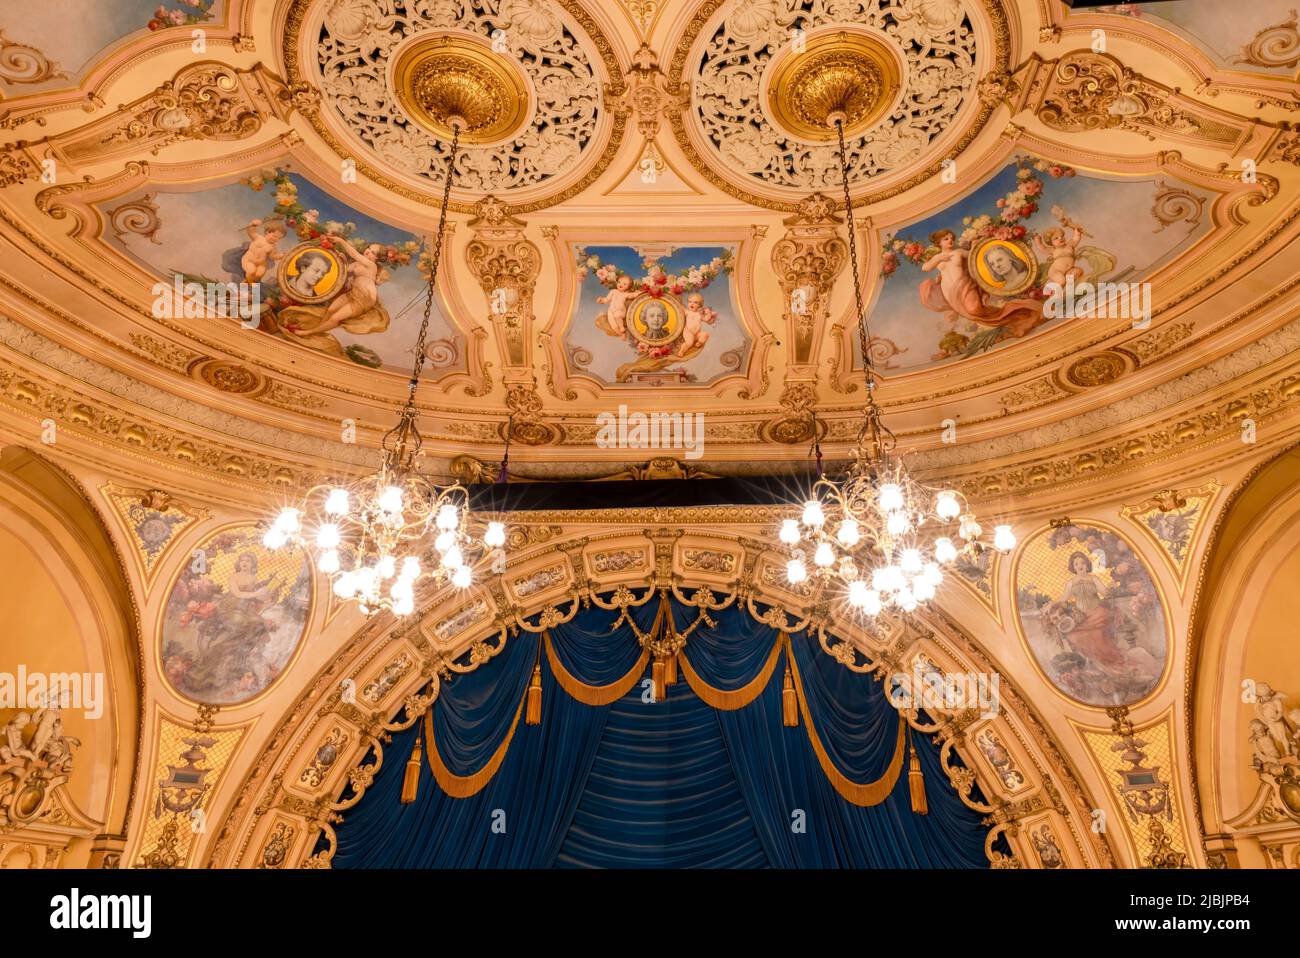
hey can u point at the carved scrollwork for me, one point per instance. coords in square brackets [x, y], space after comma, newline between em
[20, 63]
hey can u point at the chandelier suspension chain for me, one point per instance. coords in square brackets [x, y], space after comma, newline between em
[433, 267]
[864, 338]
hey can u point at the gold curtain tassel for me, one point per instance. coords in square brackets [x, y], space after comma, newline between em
[916, 781]
[789, 700]
[411, 780]
[657, 674]
[534, 714]
[670, 670]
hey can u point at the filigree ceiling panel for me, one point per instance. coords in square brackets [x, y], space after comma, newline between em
[349, 48]
[749, 137]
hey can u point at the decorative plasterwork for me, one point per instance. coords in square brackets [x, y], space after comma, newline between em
[506, 265]
[1140, 765]
[359, 38]
[152, 521]
[572, 137]
[281, 812]
[933, 42]
[730, 141]
[1084, 91]
[20, 63]
[1172, 520]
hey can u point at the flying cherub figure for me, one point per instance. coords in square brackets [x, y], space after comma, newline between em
[261, 252]
[693, 331]
[617, 299]
[1062, 252]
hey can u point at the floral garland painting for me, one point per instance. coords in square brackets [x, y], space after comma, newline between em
[234, 618]
[653, 300]
[972, 276]
[188, 14]
[1089, 609]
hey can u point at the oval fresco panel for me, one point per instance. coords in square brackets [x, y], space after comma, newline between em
[234, 618]
[1091, 615]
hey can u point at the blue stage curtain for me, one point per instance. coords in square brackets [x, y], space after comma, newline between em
[670, 784]
[662, 792]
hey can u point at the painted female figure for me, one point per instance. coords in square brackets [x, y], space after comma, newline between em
[229, 639]
[1094, 625]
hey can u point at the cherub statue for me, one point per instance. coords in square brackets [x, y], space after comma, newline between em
[49, 728]
[261, 250]
[1270, 706]
[1266, 751]
[12, 746]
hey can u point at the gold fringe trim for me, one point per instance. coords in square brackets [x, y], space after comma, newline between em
[463, 786]
[737, 698]
[872, 793]
[593, 694]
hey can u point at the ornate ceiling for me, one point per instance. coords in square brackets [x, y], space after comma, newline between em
[650, 142]
[637, 170]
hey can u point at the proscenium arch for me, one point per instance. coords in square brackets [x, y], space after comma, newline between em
[79, 574]
[1255, 542]
[270, 793]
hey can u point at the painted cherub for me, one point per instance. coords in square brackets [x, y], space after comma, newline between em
[362, 293]
[261, 252]
[1063, 253]
[693, 331]
[617, 299]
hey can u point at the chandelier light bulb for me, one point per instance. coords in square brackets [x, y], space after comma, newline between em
[287, 521]
[910, 560]
[922, 589]
[336, 503]
[789, 532]
[386, 567]
[275, 538]
[897, 523]
[367, 581]
[812, 513]
[1004, 540]
[858, 594]
[879, 580]
[895, 581]
[452, 559]
[796, 571]
[462, 577]
[410, 569]
[404, 606]
[905, 599]
[848, 533]
[947, 506]
[824, 556]
[495, 535]
[345, 586]
[848, 570]
[327, 536]
[444, 541]
[390, 500]
[329, 562]
[970, 529]
[944, 550]
[871, 603]
[891, 497]
[447, 516]
[932, 574]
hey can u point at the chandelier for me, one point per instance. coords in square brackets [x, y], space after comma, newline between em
[880, 536]
[379, 536]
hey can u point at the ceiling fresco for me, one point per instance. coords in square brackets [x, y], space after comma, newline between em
[661, 156]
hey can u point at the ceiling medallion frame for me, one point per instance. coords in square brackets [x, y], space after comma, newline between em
[611, 126]
[992, 25]
[838, 69]
[441, 76]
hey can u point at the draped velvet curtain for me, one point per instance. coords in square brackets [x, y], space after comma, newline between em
[709, 776]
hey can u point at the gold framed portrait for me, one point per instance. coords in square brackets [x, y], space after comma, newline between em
[311, 274]
[655, 320]
[1003, 267]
